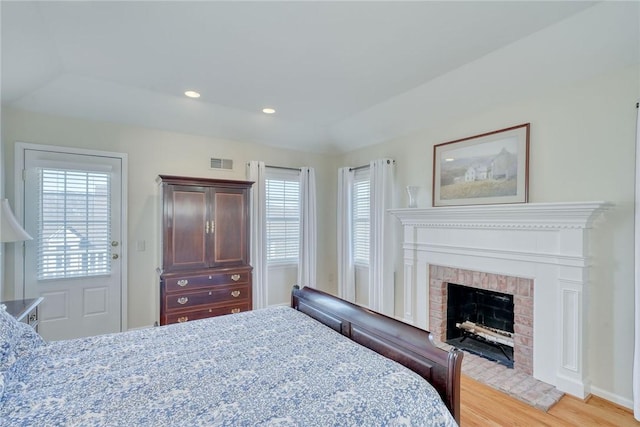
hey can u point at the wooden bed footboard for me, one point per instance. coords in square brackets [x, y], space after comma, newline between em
[406, 344]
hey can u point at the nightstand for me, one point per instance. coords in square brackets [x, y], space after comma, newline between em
[24, 310]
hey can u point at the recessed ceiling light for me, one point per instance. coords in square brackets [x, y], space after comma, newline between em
[449, 159]
[268, 110]
[192, 94]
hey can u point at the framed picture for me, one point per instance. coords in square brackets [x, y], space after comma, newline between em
[483, 169]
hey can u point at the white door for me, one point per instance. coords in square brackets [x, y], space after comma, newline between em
[72, 209]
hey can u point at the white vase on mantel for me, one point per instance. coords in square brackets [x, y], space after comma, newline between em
[412, 191]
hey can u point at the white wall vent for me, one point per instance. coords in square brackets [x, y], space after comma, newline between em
[221, 164]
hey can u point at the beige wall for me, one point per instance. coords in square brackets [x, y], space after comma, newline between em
[582, 149]
[152, 152]
[279, 282]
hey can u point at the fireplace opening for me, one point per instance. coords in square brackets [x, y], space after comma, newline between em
[481, 322]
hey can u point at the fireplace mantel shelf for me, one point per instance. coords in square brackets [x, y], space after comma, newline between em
[511, 216]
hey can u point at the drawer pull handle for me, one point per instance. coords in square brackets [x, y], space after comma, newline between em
[182, 319]
[183, 282]
[235, 277]
[183, 300]
[235, 294]
[235, 310]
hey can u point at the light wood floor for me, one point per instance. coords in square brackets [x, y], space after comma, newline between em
[484, 406]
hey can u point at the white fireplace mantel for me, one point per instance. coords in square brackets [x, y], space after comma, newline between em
[546, 242]
[525, 216]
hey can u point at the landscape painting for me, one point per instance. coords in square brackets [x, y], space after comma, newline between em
[484, 169]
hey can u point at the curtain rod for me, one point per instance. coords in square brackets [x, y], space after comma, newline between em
[283, 167]
[366, 166]
[358, 168]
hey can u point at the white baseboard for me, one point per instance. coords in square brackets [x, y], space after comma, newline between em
[611, 397]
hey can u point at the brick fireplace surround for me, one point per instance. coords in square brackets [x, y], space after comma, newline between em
[537, 251]
[520, 288]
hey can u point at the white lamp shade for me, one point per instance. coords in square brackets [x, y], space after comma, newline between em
[10, 229]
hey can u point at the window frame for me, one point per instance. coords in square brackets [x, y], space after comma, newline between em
[285, 175]
[361, 213]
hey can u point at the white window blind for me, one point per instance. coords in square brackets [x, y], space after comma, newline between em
[73, 224]
[361, 216]
[283, 217]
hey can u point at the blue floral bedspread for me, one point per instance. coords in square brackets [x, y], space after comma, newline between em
[271, 367]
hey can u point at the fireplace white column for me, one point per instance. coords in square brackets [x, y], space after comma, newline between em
[546, 242]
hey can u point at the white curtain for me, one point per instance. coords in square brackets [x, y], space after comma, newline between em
[346, 268]
[381, 262]
[256, 173]
[308, 228]
[636, 357]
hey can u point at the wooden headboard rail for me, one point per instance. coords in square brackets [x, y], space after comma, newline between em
[406, 344]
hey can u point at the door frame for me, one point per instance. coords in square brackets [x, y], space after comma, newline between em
[18, 279]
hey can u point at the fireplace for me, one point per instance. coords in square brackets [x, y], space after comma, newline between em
[481, 322]
[537, 252]
[519, 289]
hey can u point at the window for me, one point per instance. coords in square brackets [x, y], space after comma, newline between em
[73, 224]
[283, 216]
[361, 216]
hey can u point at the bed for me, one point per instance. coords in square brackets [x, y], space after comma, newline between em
[274, 367]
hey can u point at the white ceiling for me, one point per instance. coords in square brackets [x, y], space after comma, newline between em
[341, 75]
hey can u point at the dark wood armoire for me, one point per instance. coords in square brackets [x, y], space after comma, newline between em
[205, 267]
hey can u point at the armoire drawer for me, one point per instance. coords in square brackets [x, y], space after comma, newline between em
[187, 316]
[185, 283]
[215, 295]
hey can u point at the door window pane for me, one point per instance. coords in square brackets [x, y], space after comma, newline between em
[73, 224]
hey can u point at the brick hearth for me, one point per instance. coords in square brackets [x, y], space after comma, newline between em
[520, 288]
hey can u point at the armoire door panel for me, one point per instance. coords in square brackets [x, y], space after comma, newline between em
[230, 232]
[186, 237]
